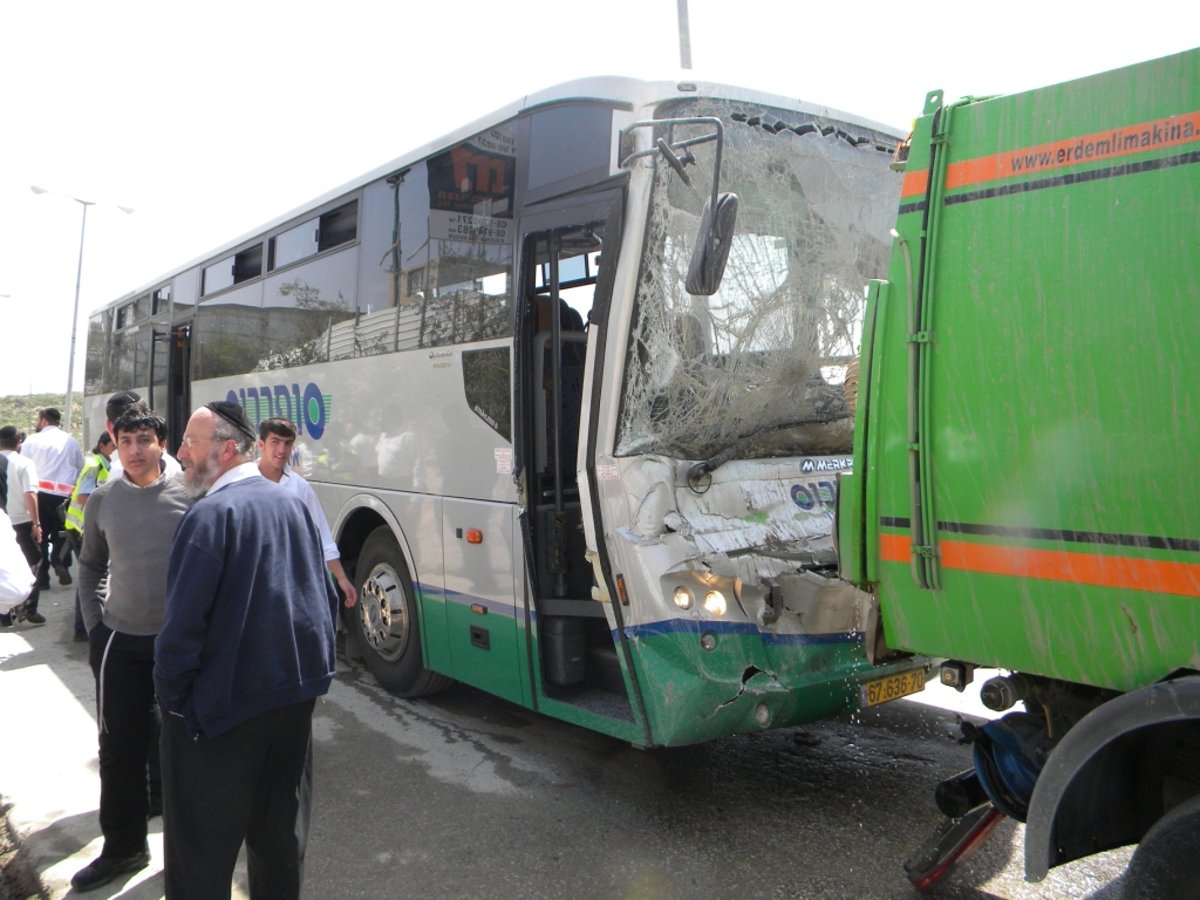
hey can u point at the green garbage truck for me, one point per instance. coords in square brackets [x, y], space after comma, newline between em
[1026, 484]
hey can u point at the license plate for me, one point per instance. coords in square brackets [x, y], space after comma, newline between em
[893, 687]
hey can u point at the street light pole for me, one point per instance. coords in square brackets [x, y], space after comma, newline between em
[685, 35]
[75, 311]
[75, 314]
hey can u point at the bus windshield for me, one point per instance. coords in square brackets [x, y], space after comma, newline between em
[761, 365]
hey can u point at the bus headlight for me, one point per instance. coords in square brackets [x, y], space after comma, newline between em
[682, 597]
[714, 602]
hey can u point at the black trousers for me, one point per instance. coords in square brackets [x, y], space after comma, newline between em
[32, 555]
[127, 715]
[253, 784]
[52, 524]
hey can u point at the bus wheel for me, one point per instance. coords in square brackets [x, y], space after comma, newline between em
[385, 620]
[1165, 865]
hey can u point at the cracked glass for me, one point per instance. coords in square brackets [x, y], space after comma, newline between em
[759, 368]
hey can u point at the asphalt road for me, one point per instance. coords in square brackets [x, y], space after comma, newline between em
[463, 795]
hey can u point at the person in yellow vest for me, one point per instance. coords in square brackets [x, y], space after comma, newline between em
[93, 474]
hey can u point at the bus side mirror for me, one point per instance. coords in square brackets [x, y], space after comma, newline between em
[713, 241]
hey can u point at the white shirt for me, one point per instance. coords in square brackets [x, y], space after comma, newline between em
[16, 578]
[57, 457]
[296, 484]
[22, 479]
[240, 472]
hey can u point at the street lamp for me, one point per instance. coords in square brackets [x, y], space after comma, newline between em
[78, 278]
[685, 35]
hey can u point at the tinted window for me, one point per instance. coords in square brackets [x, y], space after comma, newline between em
[468, 270]
[568, 143]
[248, 264]
[294, 244]
[230, 333]
[160, 300]
[311, 310]
[340, 226]
[442, 238]
[487, 383]
[97, 377]
[217, 277]
[332, 229]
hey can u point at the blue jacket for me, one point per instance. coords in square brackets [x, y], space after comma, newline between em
[249, 623]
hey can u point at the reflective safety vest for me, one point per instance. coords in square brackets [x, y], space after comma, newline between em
[75, 512]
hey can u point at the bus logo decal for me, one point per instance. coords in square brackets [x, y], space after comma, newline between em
[815, 494]
[309, 411]
[822, 464]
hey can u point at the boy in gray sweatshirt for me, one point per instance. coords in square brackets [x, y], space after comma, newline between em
[127, 537]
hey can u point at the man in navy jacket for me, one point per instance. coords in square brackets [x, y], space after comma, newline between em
[246, 647]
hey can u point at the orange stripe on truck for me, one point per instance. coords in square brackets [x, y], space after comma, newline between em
[1125, 572]
[1126, 140]
[915, 183]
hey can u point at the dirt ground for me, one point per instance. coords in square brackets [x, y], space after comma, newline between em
[18, 881]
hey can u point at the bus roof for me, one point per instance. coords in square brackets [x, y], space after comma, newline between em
[632, 93]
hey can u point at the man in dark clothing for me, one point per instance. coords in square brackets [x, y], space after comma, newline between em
[246, 647]
[126, 540]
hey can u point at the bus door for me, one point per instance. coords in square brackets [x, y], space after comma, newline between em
[561, 256]
[170, 396]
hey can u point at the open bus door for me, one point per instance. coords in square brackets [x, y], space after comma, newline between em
[170, 394]
[577, 661]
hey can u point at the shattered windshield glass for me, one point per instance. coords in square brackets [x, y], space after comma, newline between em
[760, 366]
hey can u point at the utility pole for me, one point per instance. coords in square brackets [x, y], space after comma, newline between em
[75, 310]
[685, 36]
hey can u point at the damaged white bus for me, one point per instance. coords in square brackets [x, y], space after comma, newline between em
[571, 386]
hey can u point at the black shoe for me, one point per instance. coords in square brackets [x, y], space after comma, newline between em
[63, 573]
[5, 621]
[35, 618]
[105, 869]
[43, 584]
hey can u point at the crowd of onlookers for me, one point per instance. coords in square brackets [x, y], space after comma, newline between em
[206, 588]
[38, 477]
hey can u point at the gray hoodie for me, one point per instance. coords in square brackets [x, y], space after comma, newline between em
[127, 534]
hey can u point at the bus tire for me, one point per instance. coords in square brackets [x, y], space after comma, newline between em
[1166, 865]
[384, 625]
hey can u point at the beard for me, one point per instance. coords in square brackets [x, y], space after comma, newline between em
[200, 475]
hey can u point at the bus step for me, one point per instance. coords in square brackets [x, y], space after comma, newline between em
[604, 669]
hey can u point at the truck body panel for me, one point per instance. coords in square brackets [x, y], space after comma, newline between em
[1025, 493]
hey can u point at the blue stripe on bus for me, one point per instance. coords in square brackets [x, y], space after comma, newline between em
[457, 597]
[691, 626]
[663, 627]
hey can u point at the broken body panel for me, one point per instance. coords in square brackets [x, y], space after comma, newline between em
[791, 644]
[719, 437]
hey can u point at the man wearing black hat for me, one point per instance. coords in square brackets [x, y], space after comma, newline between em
[246, 647]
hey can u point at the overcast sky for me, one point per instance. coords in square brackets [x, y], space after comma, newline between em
[211, 118]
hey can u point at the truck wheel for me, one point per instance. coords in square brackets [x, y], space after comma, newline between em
[1165, 865]
[384, 624]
